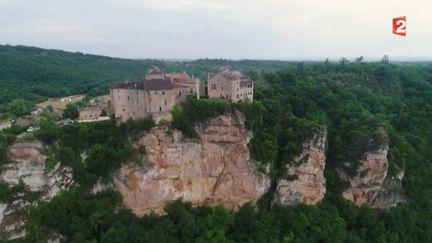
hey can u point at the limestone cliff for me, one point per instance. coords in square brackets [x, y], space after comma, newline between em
[213, 170]
[304, 180]
[371, 185]
[27, 166]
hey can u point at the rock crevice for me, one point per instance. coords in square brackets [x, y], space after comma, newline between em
[307, 183]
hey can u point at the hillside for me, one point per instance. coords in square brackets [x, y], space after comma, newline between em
[33, 74]
[326, 152]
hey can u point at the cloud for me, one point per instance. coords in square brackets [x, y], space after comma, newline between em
[178, 5]
[224, 28]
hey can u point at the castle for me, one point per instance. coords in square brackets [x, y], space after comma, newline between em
[231, 85]
[159, 92]
[154, 96]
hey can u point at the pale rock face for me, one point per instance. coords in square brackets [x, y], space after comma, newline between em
[3, 207]
[307, 171]
[27, 164]
[100, 186]
[371, 186]
[213, 170]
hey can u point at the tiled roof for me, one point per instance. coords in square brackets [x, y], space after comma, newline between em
[90, 108]
[235, 75]
[153, 84]
[154, 71]
[180, 78]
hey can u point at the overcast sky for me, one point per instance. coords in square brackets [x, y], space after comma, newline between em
[235, 29]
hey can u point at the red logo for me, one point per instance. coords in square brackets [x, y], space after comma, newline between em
[399, 26]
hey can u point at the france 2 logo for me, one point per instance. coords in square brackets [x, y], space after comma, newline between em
[399, 26]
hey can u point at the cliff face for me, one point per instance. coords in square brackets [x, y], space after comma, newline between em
[28, 167]
[371, 185]
[304, 180]
[214, 169]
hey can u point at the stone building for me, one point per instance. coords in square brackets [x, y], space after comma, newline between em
[5, 124]
[90, 113]
[231, 85]
[154, 96]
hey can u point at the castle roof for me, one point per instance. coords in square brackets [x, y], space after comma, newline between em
[153, 84]
[236, 76]
[180, 78]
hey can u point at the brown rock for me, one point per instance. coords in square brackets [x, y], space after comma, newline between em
[371, 185]
[307, 171]
[215, 169]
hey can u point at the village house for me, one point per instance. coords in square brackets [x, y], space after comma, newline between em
[24, 121]
[5, 124]
[154, 96]
[89, 113]
[231, 85]
[96, 109]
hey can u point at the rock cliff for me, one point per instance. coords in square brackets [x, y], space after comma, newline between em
[371, 185]
[27, 167]
[304, 180]
[213, 170]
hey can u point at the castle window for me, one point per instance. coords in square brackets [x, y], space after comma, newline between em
[155, 92]
[226, 96]
[222, 88]
[213, 86]
[163, 92]
[179, 92]
[160, 108]
[128, 97]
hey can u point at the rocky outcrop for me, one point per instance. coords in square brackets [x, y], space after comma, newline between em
[27, 167]
[304, 180]
[371, 185]
[213, 170]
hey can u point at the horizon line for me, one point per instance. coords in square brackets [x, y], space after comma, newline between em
[290, 59]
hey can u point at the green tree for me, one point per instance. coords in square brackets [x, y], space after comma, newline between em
[17, 107]
[48, 131]
[71, 111]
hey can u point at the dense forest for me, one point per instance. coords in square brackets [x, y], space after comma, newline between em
[350, 98]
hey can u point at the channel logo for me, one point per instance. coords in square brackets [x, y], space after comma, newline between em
[399, 26]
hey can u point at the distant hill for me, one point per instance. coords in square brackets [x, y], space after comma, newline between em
[31, 74]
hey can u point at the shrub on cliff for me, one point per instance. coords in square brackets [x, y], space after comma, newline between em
[194, 111]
